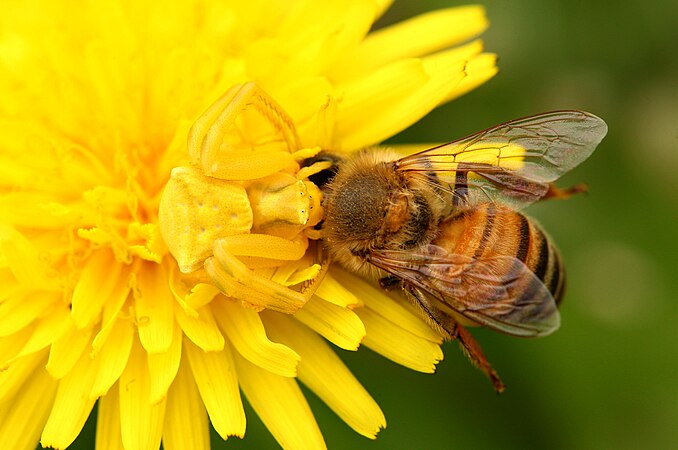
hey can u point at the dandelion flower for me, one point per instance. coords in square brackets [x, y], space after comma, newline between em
[162, 308]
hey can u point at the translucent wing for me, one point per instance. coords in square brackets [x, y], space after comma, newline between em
[499, 292]
[512, 163]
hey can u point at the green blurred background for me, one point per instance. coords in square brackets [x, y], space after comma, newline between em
[608, 379]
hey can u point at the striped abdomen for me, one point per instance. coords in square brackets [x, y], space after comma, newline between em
[489, 230]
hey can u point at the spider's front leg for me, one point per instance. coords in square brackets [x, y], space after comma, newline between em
[235, 279]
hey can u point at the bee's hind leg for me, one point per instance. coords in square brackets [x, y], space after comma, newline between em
[472, 350]
[449, 328]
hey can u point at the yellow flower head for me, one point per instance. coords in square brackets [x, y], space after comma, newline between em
[157, 243]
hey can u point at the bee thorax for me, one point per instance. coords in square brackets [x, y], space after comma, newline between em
[356, 209]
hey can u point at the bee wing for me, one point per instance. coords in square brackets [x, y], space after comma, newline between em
[500, 292]
[512, 163]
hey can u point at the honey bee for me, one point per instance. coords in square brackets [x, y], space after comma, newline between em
[444, 225]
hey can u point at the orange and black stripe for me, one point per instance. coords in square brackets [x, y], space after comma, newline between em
[491, 229]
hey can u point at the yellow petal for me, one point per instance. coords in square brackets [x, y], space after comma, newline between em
[67, 350]
[217, 382]
[47, 329]
[302, 108]
[46, 212]
[112, 359]
[19, 310]
[97, 282]
[111, 310]
[418, 36]
[140, 421]
[152, 246]
[337, 24]
[319, 128]
[397, 344]
[72, 404]
[8, 284]
[335, 292]
[189, 294]
[458, 54]
[280, 404]
[202, 329]
[25, 261]
[246, 332]
[341, 326]
[154, 308]
[325, 374]
[200, 295]
[395, 311]
[186, 425]
[163, 367]
[382, 6]
[478, 70]
[48, 150]
[308, 41]
[22, 419]
[390, 99]
[108, 422]
[12, 377]
[12, 344]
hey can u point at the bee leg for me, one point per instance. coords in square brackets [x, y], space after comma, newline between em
[389, 283]
[564, 193]
[472, 350]
[440, 321]
[451, 330]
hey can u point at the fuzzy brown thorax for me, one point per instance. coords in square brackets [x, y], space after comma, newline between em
[370, 205]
